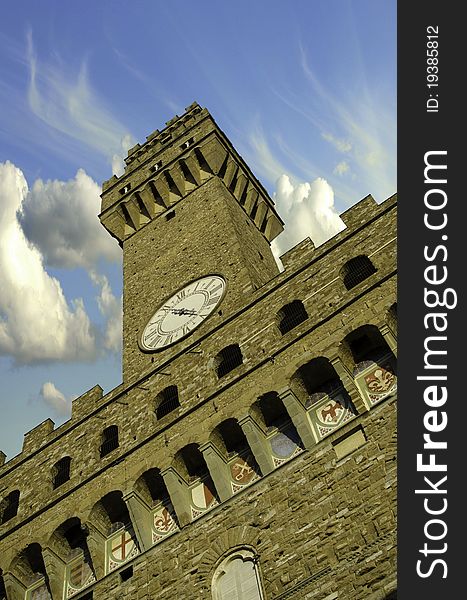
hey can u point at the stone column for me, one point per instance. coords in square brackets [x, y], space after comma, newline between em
[389, 338]
[218, 469]
[299, 417]
[140, 515]
[15, 590]
[350, 385]
[96, 546]
[258, 444]
[55, 568]
[179, 495]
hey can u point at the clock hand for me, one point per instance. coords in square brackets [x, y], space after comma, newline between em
[183, 311]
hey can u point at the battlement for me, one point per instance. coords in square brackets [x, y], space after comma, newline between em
[355, 217]
[35, 438]
[86, 403]
[170, 165]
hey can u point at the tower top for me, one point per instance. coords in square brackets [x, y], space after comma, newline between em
[172, 163]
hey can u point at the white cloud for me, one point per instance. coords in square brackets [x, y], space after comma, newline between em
[36, 322]
[55, 399]
[341, 168]
[60, 218]
[112, 309]
[307, 210]
[340, 144]
[67, 102]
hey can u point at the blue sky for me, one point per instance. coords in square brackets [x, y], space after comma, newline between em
[306, 91]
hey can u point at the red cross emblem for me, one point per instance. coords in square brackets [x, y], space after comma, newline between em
[122, 546]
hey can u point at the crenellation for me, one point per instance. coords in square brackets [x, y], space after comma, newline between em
[38, 436]
[86, 403]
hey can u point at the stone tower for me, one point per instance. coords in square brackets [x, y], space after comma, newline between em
[249, 452]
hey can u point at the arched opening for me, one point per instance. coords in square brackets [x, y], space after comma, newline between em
[167, 401]
[116, 510]
[109, 440]
[228, 359]
[357, 270]
[111, 516]
[29, 568]
[316, 380]
[190, 464]
[69, 541]
[371, 362]
[282, 436]
[61, 471]
[237, 576]
[152, 489]
[230, 440]
[324, 396]
[291, 315]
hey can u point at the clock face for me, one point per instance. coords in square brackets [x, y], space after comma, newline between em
[183, 312]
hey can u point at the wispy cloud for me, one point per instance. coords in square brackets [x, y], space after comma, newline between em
[66, 101]
[341, 168]
[339, 144]
[55, 399]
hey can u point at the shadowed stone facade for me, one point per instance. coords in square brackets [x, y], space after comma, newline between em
[255, 456]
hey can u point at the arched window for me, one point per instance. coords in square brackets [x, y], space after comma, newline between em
[228, 359]
[61, 471]
[237, 578]
[10, 506]
[167, 401]
[291, 315]
[109, 440]
[356, 270]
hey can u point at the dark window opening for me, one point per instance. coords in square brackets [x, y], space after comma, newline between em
[125, 189]
[61, 471]
[157, 166]
[357, 270]
[187, 143]
[167, 401]
[291, 315]
[11, 504]
[109, 440]
[228, 359]
[126, 574]
[170, 215]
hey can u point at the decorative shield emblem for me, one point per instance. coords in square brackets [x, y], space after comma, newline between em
[163, 523]
[328, 415]
[285, 445]
[202, 496]
[80, 575]
[243, 471]
[122, 546]
[380, 382]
